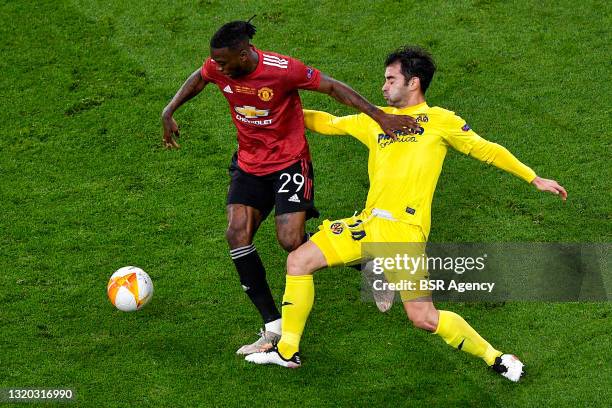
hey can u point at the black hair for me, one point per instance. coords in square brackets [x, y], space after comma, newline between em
[415, 62]
[233, 34]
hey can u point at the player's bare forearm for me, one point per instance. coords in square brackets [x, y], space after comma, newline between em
[192, 86]
[348, 96]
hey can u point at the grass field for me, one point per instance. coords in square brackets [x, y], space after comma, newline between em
[86, 188]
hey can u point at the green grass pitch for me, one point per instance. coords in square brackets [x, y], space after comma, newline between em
[86, 188]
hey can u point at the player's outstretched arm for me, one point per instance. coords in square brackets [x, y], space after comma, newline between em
[503, 159]
[192, 86]
[347, 96]
[325, 123]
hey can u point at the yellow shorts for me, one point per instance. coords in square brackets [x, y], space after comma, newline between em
[341, 242]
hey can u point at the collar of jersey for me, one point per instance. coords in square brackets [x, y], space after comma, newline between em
[411, 109]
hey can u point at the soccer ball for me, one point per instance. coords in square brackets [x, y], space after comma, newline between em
[129, 288]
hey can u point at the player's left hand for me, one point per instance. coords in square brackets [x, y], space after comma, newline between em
[390, 124]
[551, 186]
[171, 130]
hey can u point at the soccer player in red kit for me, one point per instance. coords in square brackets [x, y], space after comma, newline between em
[272, 167]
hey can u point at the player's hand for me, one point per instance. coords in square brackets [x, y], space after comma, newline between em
[170, 131]
[397, 123]
[551, 186]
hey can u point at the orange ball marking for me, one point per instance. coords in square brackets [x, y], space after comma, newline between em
[129, 281]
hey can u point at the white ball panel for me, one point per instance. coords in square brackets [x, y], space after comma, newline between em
[145, 287]
[124, 300]
[126, 270]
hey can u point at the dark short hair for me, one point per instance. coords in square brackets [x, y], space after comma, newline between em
[415, 62]
[233, 34]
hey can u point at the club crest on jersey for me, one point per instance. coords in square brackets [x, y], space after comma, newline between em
[466, 127]
[265, 94]
[309, 72]
[336, 228]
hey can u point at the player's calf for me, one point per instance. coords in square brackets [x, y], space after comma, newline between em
[422, 313]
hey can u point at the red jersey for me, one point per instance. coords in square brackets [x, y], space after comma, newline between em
[267, 110]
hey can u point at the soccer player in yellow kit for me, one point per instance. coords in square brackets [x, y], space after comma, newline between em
[403, 174]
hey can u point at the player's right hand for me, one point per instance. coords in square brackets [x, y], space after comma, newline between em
[550, 186]
[170, 131]
[393, 124]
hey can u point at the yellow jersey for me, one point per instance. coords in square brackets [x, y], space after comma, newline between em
[403, 173]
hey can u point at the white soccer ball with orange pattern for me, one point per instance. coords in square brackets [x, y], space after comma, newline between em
[130, 288]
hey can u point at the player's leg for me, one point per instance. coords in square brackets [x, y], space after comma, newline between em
[457, 333]
[243, 222]
[421, 311]
[250, 199]
[333, 245]
[297, 304]
[299, 295]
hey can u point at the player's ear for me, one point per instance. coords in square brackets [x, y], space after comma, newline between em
[414, 83]
[243, 55]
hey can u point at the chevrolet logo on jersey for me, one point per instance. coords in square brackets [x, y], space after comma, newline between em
[251, 112]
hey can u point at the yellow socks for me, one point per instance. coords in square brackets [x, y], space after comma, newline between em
[459, 334]
[297, 303]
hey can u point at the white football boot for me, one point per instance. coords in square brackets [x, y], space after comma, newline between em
[264, 342]
[509, 366]
[272, 356]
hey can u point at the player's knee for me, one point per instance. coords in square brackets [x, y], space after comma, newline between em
[297, 265]
[291, 243]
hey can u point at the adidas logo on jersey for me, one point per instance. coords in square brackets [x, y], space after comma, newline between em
[228, 89]
[294, 199]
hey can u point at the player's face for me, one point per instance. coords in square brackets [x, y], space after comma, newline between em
[229, 62]
[395, 90]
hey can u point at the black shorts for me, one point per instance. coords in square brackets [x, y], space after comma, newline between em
[288, 190]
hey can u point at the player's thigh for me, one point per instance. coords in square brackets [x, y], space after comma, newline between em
[250, 190]
[294, 189]
[340, 241]
[407, 241]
